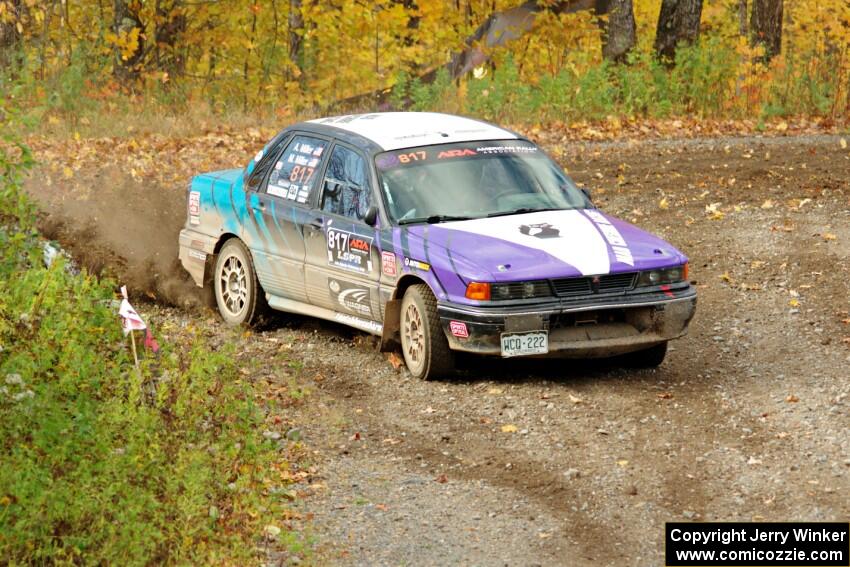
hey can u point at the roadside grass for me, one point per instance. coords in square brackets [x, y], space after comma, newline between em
[101, 463]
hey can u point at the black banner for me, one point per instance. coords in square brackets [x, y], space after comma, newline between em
[765, 544]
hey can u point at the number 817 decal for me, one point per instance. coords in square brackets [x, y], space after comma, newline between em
[349, 251]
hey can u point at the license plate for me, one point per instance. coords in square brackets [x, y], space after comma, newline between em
[523, 344]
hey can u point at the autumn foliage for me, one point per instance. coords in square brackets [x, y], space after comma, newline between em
[296, 57]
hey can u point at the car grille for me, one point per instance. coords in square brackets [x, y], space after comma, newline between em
[611, 283]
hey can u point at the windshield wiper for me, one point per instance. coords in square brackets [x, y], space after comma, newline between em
[434, 219]
[522, 210]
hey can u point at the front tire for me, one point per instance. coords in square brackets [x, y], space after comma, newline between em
[423, 343]
[238, 295]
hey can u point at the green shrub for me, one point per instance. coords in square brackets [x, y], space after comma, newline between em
[101, 463]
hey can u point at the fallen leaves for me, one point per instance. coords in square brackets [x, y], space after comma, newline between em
[713, 211]
[509, 428]
[395, 360]
[792, 399]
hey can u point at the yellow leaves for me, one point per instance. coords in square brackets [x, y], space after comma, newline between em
[67, 172]
[843, 143]
[827, 236]
[664, 204]
[126, 40]
[713, 211]
[510, 428]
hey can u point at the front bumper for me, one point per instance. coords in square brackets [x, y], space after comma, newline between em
[588, 328]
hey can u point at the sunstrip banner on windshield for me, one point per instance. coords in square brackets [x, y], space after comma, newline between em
[449, 152]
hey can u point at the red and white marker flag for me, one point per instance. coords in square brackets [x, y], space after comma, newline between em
[132, 321]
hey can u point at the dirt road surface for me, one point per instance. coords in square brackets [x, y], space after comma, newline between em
[564, 463]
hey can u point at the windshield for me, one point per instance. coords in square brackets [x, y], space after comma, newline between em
[473, 180]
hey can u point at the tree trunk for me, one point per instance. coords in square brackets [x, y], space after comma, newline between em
[126, 19]
[170, 26]
[10, 36]
[678, 22]
[296, 35]
[766, 27]
[619, 33]
[742, 17]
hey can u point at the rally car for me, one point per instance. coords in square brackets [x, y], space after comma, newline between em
[437, 233]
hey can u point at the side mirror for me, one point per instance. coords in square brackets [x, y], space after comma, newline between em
[371, 216]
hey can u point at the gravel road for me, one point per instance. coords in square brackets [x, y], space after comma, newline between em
[747, 419]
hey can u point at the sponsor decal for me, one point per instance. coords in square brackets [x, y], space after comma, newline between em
[349, 251]
[612, 236]
[259, 156]
[351, 297]
[456, 153]
[197, 255]
[195, 207]
[278, 190]
[388, 265]
[365, 324]
[459, 329]
[540, 230]
[507, 150]
[410, 262]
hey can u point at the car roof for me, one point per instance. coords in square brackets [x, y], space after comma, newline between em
[397, 130]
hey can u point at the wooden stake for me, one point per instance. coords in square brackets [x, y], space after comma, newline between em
[135, 354]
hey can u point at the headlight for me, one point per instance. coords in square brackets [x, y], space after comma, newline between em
[663, 276]
[520, 290]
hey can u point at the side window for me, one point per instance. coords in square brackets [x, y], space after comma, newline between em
[346, 189]
[264, 160]
[293, 175]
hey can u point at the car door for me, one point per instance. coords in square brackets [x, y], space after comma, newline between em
[343, 263]
[280, 207]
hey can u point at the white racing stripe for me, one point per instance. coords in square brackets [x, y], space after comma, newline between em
[577, 241]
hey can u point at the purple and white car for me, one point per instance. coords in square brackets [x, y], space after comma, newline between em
[439, 234]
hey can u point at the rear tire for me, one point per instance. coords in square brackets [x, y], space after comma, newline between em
[238, 295]
[647, 358]
[423, 343]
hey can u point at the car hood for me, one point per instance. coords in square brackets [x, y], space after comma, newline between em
[547, 244]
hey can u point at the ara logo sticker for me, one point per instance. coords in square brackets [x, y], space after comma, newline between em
[458, 329]
[540, 230]
[456, 153]
[388, 265]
